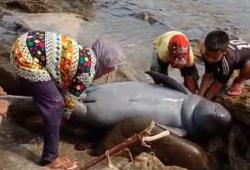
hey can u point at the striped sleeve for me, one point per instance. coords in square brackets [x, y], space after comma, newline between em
[224, 72]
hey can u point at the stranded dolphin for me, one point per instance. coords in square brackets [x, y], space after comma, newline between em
[170, 105]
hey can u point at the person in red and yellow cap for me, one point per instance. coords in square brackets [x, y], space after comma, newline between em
[173, 48]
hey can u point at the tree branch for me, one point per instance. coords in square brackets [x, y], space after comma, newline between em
[134, 140]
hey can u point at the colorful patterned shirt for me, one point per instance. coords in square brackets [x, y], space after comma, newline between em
[44, 56]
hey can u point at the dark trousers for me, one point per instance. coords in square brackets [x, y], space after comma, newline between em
[51, 105]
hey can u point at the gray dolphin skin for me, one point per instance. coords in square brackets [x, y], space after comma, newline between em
[170, 104]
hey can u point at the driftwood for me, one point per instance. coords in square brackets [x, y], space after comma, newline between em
[142, 137]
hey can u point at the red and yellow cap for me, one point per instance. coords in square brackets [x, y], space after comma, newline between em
[179, 50]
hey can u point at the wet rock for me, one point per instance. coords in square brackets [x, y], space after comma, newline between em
[149, 161]
[10, 28]
[28, 5]
[231, 151]
[10, 82]
[238, 151]
[147, 16]
[83, 7]
[65, 23]
[216, 149]
[239, 148]
[171, 150]
[238, 106]
[78, 3]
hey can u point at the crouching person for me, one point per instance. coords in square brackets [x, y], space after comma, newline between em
[222, 56]
[55, 69]
[173, 48]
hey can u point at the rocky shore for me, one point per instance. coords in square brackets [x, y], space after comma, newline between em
[20, 146]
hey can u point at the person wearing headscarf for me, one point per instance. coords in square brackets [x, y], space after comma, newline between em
[55, 70]
[174, 48]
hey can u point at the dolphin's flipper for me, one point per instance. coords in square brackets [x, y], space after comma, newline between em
[176, 131]
[168, 82]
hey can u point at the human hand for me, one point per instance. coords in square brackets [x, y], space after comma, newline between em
[2, 92]
[4, 105]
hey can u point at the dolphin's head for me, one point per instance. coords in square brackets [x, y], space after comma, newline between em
[211, 117]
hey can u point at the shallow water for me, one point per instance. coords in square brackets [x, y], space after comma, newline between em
[136, 23]
[194, 17]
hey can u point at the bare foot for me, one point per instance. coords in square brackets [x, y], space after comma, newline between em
[63, 163]
[235, 90]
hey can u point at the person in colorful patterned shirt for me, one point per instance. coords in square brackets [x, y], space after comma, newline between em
[55, 70]
[173, 48]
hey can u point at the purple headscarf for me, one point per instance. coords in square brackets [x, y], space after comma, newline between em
[108, 55]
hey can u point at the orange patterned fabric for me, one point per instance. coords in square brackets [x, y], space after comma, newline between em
[66, 61]
[43, 56]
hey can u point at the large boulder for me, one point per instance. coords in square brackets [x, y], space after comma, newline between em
[238, 151]
[171, 150]
[239, 148]
[72, 25]
[143, 161]
[26, 5]
[10, 28]
[45, 6]
[238, 106]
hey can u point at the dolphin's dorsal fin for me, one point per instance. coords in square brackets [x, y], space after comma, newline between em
[167, 81]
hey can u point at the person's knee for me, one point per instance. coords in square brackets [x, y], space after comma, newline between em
[245, 71]
[53, 113]
[53, 107]
[59, 102]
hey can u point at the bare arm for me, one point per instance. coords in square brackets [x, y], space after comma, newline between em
[206, 81]
[190, 83]
[214, 90]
